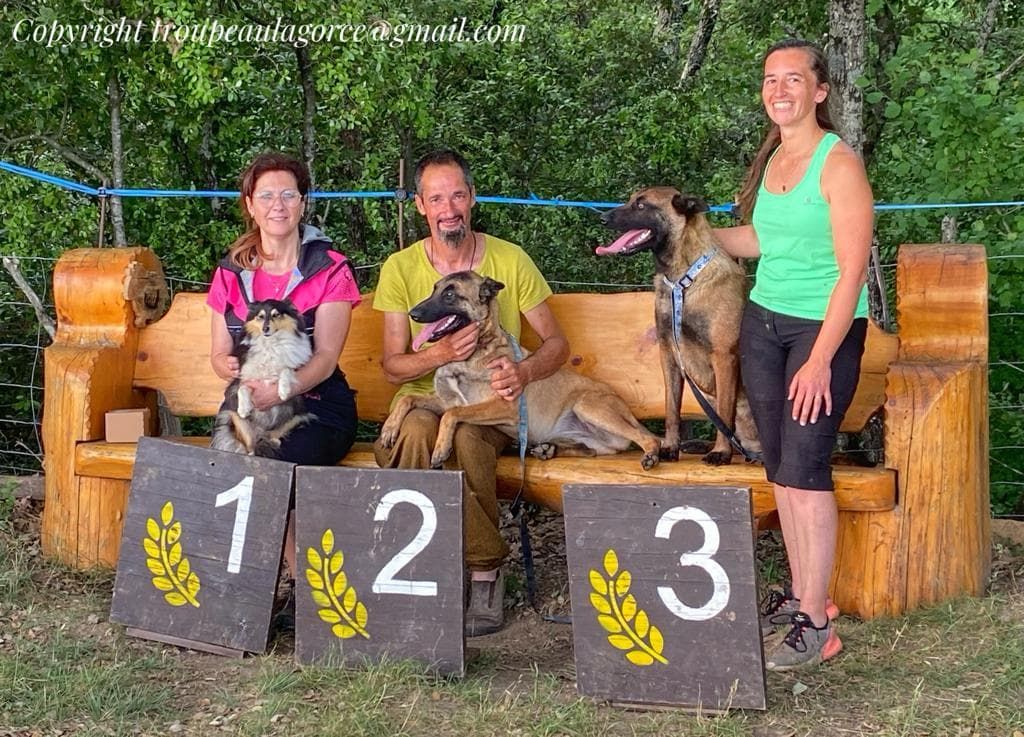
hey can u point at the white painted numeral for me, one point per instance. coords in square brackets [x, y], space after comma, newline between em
[242, 493]
[701, 559]
[386, 583]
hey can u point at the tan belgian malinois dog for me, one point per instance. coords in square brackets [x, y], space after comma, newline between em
[672, 226]
[568, 414]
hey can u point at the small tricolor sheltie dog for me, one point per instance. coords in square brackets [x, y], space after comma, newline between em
[272, 344]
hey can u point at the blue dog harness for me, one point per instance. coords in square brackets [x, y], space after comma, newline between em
[679, 288]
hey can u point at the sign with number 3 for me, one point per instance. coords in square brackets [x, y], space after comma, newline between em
[664, 595]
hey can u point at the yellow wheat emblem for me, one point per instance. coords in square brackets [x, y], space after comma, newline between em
[338, 602]
[628, 626]
[171, 570]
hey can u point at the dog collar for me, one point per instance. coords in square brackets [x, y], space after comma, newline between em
[680, 286]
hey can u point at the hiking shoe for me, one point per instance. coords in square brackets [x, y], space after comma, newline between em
[805, 645]
[779, 605]
[485, 612]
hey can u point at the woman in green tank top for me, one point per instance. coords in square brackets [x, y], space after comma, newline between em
[809, 210]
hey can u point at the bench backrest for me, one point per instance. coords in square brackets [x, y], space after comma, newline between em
[611, 337]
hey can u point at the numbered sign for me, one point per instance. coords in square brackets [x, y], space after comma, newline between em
[201, 547]
[664, 595]
[381, 568]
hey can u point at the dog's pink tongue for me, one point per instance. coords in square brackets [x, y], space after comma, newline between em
[427, 332]
[620, 244]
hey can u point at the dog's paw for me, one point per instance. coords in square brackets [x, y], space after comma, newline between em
[285, 382]
[650, 460]
[669, 454]
[388, 436]
[439, 456]
[544, 451]
[718, 458]
[695, 446]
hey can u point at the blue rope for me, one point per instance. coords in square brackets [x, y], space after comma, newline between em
[489, 199]
[49, 179]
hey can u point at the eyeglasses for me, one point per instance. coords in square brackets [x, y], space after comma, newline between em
[289, 197]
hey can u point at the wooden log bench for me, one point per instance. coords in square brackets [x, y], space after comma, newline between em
[914, 530]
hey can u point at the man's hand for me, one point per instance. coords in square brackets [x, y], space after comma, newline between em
[458, 346]
[507, 378]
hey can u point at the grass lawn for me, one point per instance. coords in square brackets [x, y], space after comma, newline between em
[955, 669]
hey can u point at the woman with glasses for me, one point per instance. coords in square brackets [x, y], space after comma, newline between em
[280, 257]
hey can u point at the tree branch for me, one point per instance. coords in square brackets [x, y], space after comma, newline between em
[701, 38]
[1010, 69]
[73, 156]
[117, 153]
[11, 264]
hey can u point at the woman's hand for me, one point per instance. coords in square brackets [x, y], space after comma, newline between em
[225, 366]
[810, 391]
[264, 393]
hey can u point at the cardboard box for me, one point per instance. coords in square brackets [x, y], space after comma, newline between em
[126, 425]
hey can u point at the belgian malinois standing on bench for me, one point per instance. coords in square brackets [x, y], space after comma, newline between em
[568, 414]
[674, 229]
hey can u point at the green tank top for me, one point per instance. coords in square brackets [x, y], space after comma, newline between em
[798, 270]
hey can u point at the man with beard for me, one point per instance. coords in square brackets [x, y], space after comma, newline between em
[445, 197]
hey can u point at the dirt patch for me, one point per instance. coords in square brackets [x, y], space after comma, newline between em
[1008, 531]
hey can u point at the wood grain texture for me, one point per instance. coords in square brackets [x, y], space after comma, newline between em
[942, 303]
[87, 371]
[611, 337]
[857, 488]
[936, 542]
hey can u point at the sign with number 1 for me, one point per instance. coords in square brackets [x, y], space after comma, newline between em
[201, 547]
[664, 595]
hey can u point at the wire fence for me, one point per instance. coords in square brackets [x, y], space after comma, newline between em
[23, 338]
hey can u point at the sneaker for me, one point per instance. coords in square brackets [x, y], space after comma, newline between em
[485, 613]
[779, 605]
[805, 645]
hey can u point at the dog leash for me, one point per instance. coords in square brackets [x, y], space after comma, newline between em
[518, 509]
[679, 288]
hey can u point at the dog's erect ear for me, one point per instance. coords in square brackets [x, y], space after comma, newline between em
[489, 288]
[689, 205]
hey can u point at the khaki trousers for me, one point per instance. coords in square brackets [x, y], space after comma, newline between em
[476, 451]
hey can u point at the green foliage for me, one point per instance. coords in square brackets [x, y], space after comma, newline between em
[589, 106]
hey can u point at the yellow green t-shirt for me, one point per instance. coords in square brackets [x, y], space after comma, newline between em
[407, 278]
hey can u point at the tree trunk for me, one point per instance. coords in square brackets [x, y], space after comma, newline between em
[308, 113]
[887, 41]
[701, 38]
[405, 142]
[117, 153]
[666, 25]
[354, 216]
[846, 65]
[988, 24]
[206, 162]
